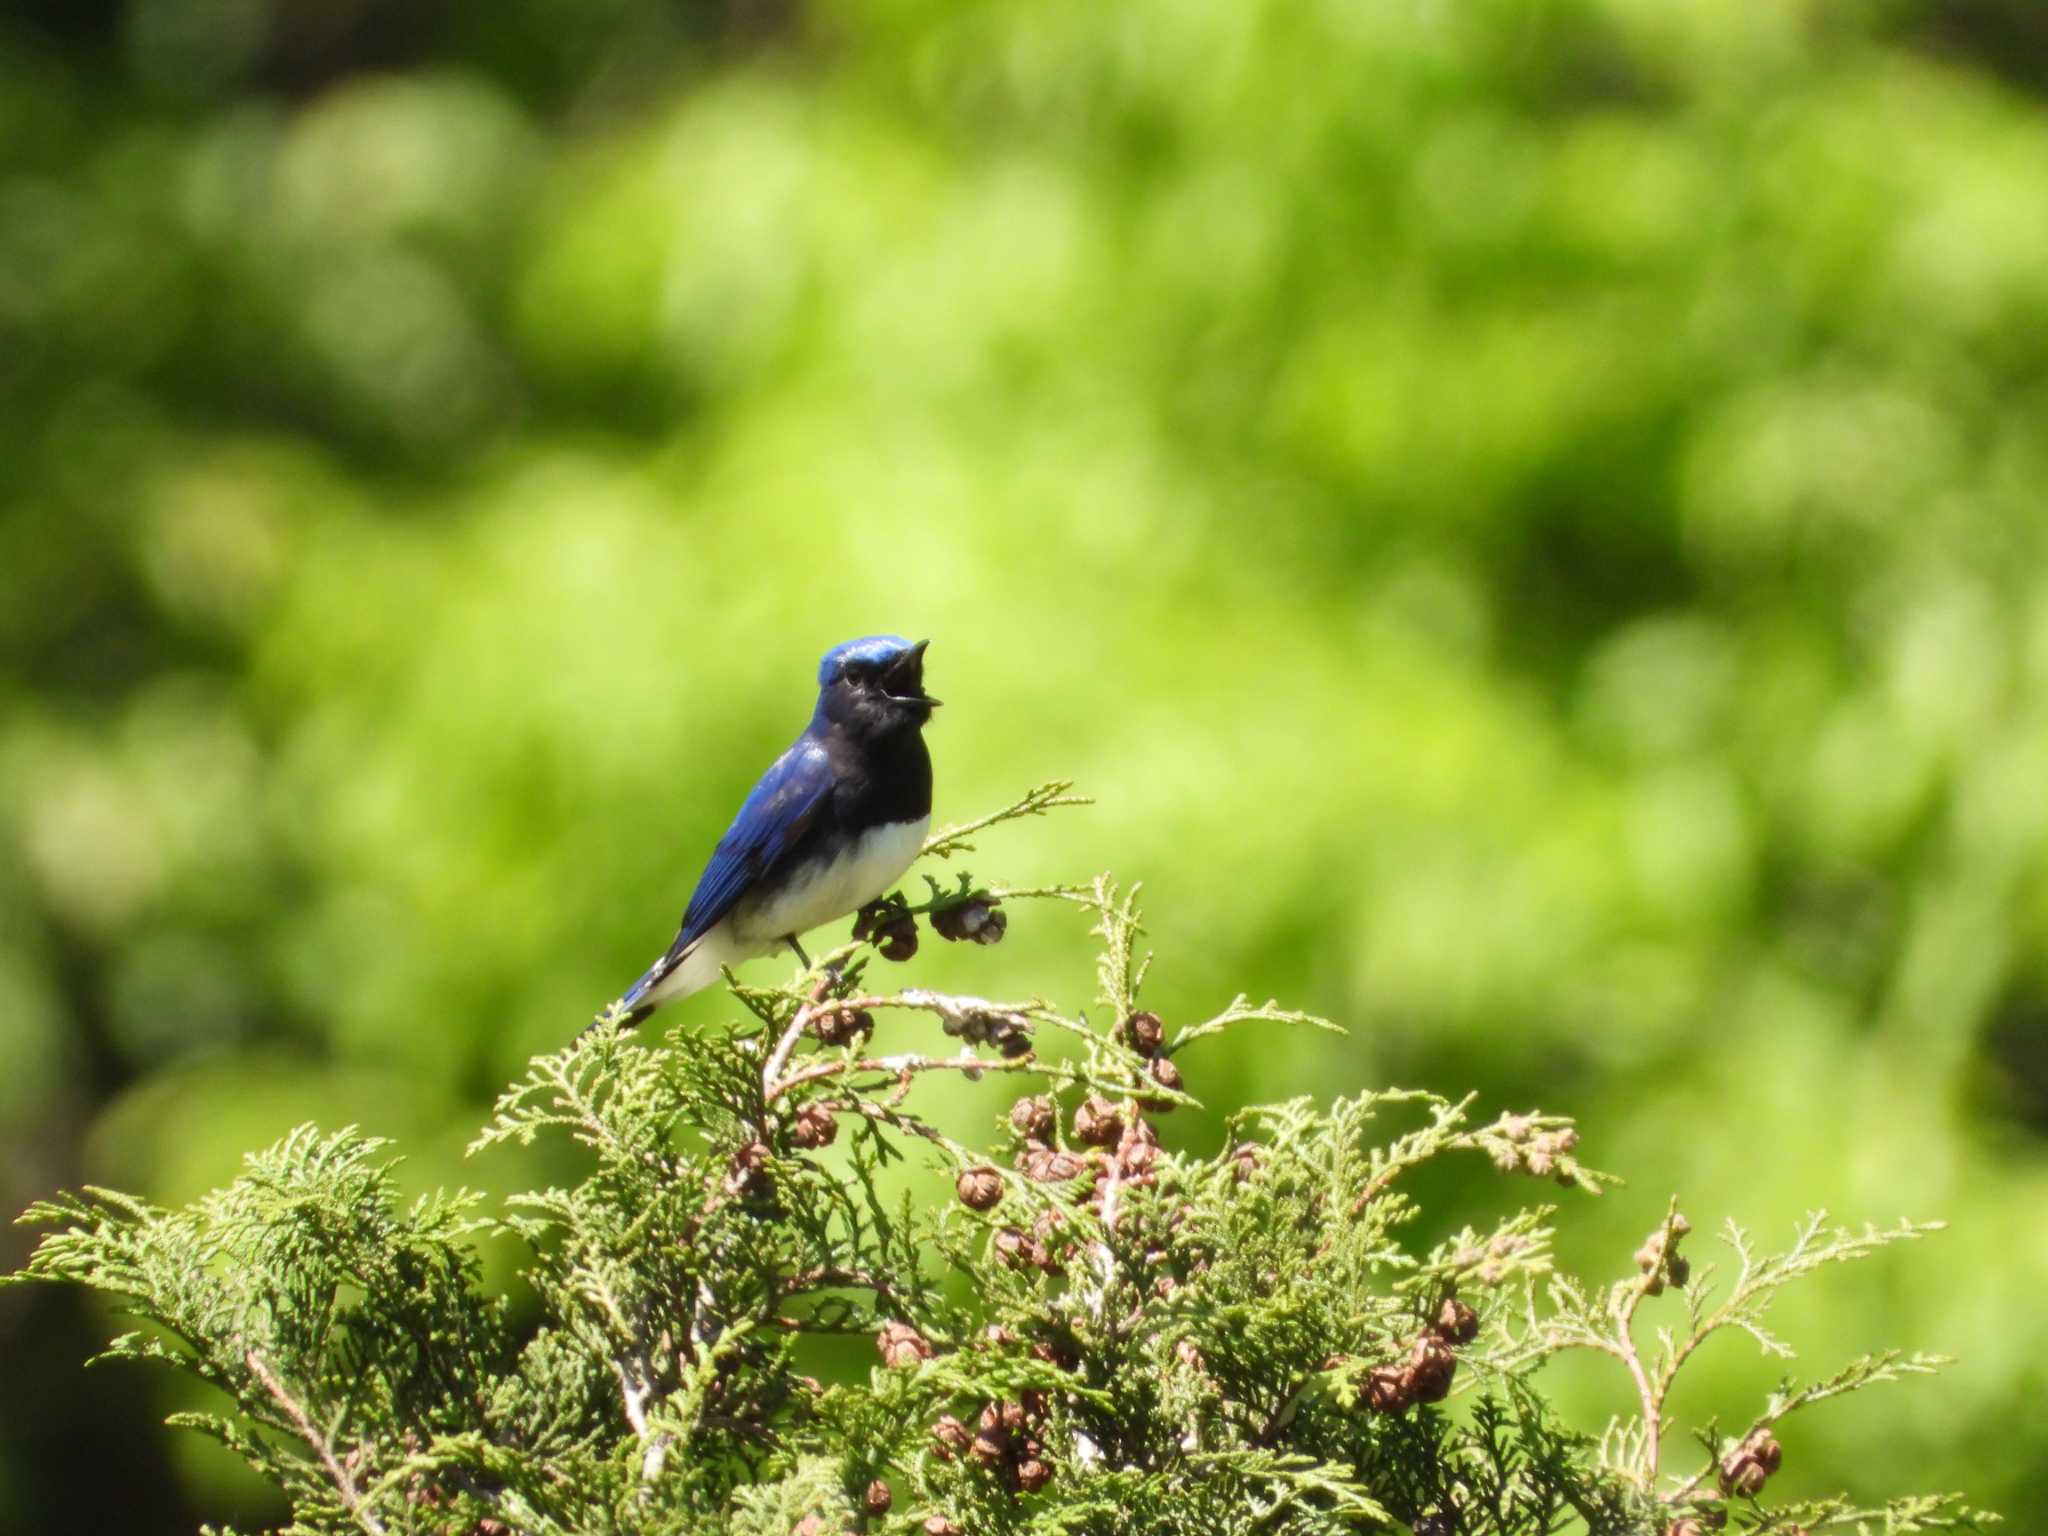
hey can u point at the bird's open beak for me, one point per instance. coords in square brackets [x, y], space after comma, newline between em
[910, 667]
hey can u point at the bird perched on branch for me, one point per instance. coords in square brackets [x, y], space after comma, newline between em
[834, 823]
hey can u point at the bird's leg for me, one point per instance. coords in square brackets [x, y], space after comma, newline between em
[831, 971]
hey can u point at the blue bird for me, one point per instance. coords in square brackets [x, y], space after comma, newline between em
[834, 823]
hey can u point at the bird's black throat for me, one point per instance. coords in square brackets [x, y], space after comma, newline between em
[881, 777]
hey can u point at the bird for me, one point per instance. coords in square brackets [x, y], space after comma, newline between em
[834, 823]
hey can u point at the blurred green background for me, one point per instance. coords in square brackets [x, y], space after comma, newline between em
[1528, 515]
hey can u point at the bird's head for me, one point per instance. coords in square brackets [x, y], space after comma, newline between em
[875, 686]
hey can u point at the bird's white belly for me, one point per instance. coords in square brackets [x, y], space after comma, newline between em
[864, 871]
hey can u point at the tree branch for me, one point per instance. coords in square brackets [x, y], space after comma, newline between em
[344, 1482]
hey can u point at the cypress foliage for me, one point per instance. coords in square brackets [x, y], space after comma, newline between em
[1096, 1335]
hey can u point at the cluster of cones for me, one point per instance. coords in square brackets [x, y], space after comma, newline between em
[1518, 1144]
[1424, 1374]
[1742, 1473]
[1004, 1442]
[891, 927]
[1659, 1258]
[1114, 1145]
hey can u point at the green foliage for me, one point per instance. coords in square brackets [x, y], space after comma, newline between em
[1527, 513]
[1105, 1336]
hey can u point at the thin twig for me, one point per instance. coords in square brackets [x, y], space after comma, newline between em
[827, 1276]
[1113, 1188]
[779, 1057]
[1413, 1150]
[633, 1394]
[951, 840]
[344, 1482]
[1629, 1296]
[901, 1067]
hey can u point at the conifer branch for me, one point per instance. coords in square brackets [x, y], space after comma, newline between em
[901, 1068]
[322, 1447]
[1095, 1332]
[1037, 801]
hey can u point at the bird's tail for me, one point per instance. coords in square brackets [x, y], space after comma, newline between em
[619, 1015]
[631, 1007]
[684, 969]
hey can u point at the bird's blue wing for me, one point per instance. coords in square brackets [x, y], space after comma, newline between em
[774, 816]
[778, 812]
